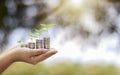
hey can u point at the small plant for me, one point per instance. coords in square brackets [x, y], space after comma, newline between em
[38, 31]
[46, 27]
[40, 43]
[32, 37]
[20, 41]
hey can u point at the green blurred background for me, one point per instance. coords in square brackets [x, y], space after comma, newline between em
[86, 35]
[62, 69]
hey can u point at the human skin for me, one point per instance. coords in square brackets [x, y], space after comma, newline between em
[26, 55]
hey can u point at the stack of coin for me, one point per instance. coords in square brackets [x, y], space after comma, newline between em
[26, 45]
[31, 45]
[22, 45]
[47, 43]
[39, 44]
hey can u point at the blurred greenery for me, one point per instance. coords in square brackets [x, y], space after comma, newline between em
[61, 69]
[62, 14]
[14, 14]
[30, 13]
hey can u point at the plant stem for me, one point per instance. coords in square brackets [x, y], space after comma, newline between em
[47, 32]
[39, 36]
[31, 39]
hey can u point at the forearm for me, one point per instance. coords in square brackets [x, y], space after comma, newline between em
[6, 60]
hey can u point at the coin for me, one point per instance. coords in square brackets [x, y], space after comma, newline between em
[39, 44]
[46, 42]
[31, 45]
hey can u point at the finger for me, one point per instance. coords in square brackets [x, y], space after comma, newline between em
[36, 52]
[45, 55]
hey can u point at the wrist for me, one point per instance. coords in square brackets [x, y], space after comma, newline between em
[6, 58]
[12, 56]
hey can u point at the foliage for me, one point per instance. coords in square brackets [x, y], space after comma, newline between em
[20, 41]
[11, 19]
[39, 31]
[46, 27]
[32, 36]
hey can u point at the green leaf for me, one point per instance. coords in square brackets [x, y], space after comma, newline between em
[50, 25]
[38, 31]
[45, 29]
[47, 26]
[20, 41]
[32, 36]
[43, 25]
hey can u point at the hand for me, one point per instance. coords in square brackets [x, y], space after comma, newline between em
[27, 55]
[30, 56]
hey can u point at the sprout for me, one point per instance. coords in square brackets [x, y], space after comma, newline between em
[46, 27]
[32, 37]
[39, 31]
[20, 41]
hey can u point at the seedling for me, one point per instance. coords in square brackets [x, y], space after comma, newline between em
[47, 39]
[39, 43]
[32, 44]
[20, 41]
[45, 43]
[32, 37]
[46, 27]
[38, 31]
